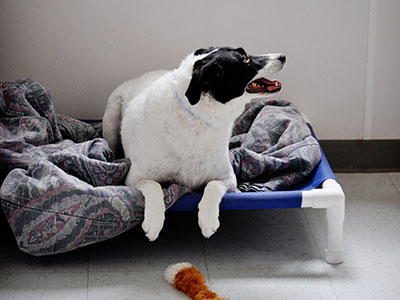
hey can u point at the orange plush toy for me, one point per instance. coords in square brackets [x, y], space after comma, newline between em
[188, 279]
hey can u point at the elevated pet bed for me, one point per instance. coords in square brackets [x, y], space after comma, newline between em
[62, 188]
[319, 190]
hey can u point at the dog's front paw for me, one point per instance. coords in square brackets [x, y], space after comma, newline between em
[152, 225]
[208, 219]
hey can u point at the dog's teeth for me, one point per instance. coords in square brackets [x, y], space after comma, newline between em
[255, 85]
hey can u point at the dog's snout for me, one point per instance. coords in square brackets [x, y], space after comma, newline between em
[282, 58]
[275, 57]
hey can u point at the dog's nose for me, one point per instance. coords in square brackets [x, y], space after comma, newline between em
[282, 58]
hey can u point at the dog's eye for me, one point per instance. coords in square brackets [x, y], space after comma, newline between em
[246, 60]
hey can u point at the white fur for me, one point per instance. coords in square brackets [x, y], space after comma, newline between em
[172, 270]
[166, 142]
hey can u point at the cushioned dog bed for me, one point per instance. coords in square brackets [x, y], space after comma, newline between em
[62, 188]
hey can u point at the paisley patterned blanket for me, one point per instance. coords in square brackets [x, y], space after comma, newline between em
[62, 188]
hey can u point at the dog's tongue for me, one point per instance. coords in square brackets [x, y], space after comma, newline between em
[264, 85]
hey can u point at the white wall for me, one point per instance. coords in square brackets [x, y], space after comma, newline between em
[385, 116]
[81, 50]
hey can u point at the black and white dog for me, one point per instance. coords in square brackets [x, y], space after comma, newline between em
[175, 126]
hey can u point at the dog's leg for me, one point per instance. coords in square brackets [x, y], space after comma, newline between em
[154, 207]
[209, 205]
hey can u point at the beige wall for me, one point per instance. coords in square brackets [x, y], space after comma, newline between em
[81, 50]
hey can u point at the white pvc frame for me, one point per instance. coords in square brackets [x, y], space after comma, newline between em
[331, 197]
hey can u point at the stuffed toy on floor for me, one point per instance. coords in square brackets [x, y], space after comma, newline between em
[188, 279]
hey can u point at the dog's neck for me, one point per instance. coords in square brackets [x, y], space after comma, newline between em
[205, 111]
[178, 93]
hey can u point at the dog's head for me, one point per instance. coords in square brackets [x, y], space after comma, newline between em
[227, 74]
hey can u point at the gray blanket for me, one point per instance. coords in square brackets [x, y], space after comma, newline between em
[62, 188]
[271, 147]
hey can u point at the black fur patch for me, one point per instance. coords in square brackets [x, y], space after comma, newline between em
[224, 74]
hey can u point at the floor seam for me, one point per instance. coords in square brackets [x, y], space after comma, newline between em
[330, 281]
[205, 258]
[312, 234]
[394, 184]
[321, 256]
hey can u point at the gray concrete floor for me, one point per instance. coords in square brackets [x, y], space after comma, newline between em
[273, 254]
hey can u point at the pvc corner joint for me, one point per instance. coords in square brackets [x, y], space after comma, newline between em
[330, 194]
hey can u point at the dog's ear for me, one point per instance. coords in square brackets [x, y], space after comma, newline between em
[194, 90]
[203, 80]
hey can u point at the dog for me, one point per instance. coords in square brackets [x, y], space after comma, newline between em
[175, 126]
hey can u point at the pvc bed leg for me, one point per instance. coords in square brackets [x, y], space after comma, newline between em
[335, 217]
[330, 197]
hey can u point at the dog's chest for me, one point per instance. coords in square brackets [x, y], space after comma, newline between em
[197, 158]
[166, 144]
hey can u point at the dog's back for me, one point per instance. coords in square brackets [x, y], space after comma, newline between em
[118, 102]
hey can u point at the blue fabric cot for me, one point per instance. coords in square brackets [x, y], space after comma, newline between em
[291, 198]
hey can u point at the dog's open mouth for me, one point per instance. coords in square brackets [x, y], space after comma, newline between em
[263, 85]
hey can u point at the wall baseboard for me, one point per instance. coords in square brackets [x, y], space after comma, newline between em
[349, 156]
